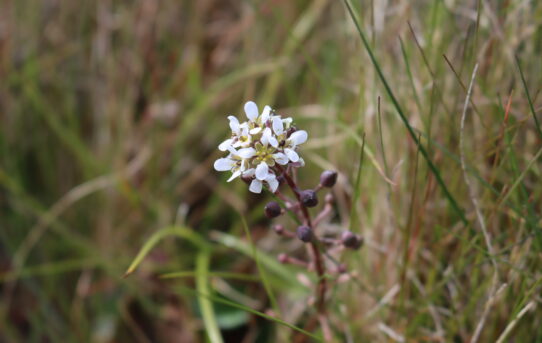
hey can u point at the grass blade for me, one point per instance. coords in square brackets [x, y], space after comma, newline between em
[400, 111]
[533, 112]
[179, 231]
[225, 275]
[250, 310]
[267, 261]
[261, 271]
[204, 299]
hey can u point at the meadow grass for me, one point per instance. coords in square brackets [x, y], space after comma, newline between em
[110, 117]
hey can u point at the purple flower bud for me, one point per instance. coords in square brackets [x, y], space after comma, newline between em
[351, 240]
[272, 209]
[304, 233]
[309, 198]
[328, 178]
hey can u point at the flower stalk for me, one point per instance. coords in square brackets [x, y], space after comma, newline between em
[263, 152]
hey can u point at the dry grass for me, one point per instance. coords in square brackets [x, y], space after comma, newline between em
[110, 116]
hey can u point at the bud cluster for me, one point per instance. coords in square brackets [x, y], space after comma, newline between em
[308, 198]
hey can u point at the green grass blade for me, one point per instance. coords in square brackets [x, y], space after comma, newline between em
[179, 231]
[267, 261]
[250, 310]
[204, 300]
[225, 275]
[521, 176]
[400, 111]
[354, 217]
[261, 270]
[531, 106]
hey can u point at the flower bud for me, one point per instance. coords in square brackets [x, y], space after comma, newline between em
[304, 233]
[328, 178]
[272, 209]
[329, 198]
[309, 198]
[351, 240]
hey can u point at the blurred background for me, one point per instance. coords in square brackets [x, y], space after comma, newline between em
[110, 115]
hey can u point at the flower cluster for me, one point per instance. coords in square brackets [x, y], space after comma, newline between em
[258, 145]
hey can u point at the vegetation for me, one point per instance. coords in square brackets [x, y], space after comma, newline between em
[110, 115]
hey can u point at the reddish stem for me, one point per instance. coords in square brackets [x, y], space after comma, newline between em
[318, 260]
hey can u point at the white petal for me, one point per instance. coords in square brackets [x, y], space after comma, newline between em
[225, 145]
[273, 141]
[266, 135]
[299, 137]
[249, 172]
[272, 182]
[298, 164]
[232, 150]
[262, 170]
[287, 121]
[251, 110]
[246, 152]
[280, 158]
[234, 124]
[234, 175]
[255, 130]
[265, 114]
[292, 155]
[244, 129]
[223, 164]
[277, 125]
[255, 186]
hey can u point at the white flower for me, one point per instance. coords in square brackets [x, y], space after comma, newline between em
[268, 138]
[230, 163]
[224, 146]
[266, 113]
[236, 162]
[298, 137]
[224, 164]
[271, 180]
[246, 152]
[262, 170]
[295, 139]
[234, 125]
[251, 110]
[278, 125]
[280, 158]
[257, 145]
